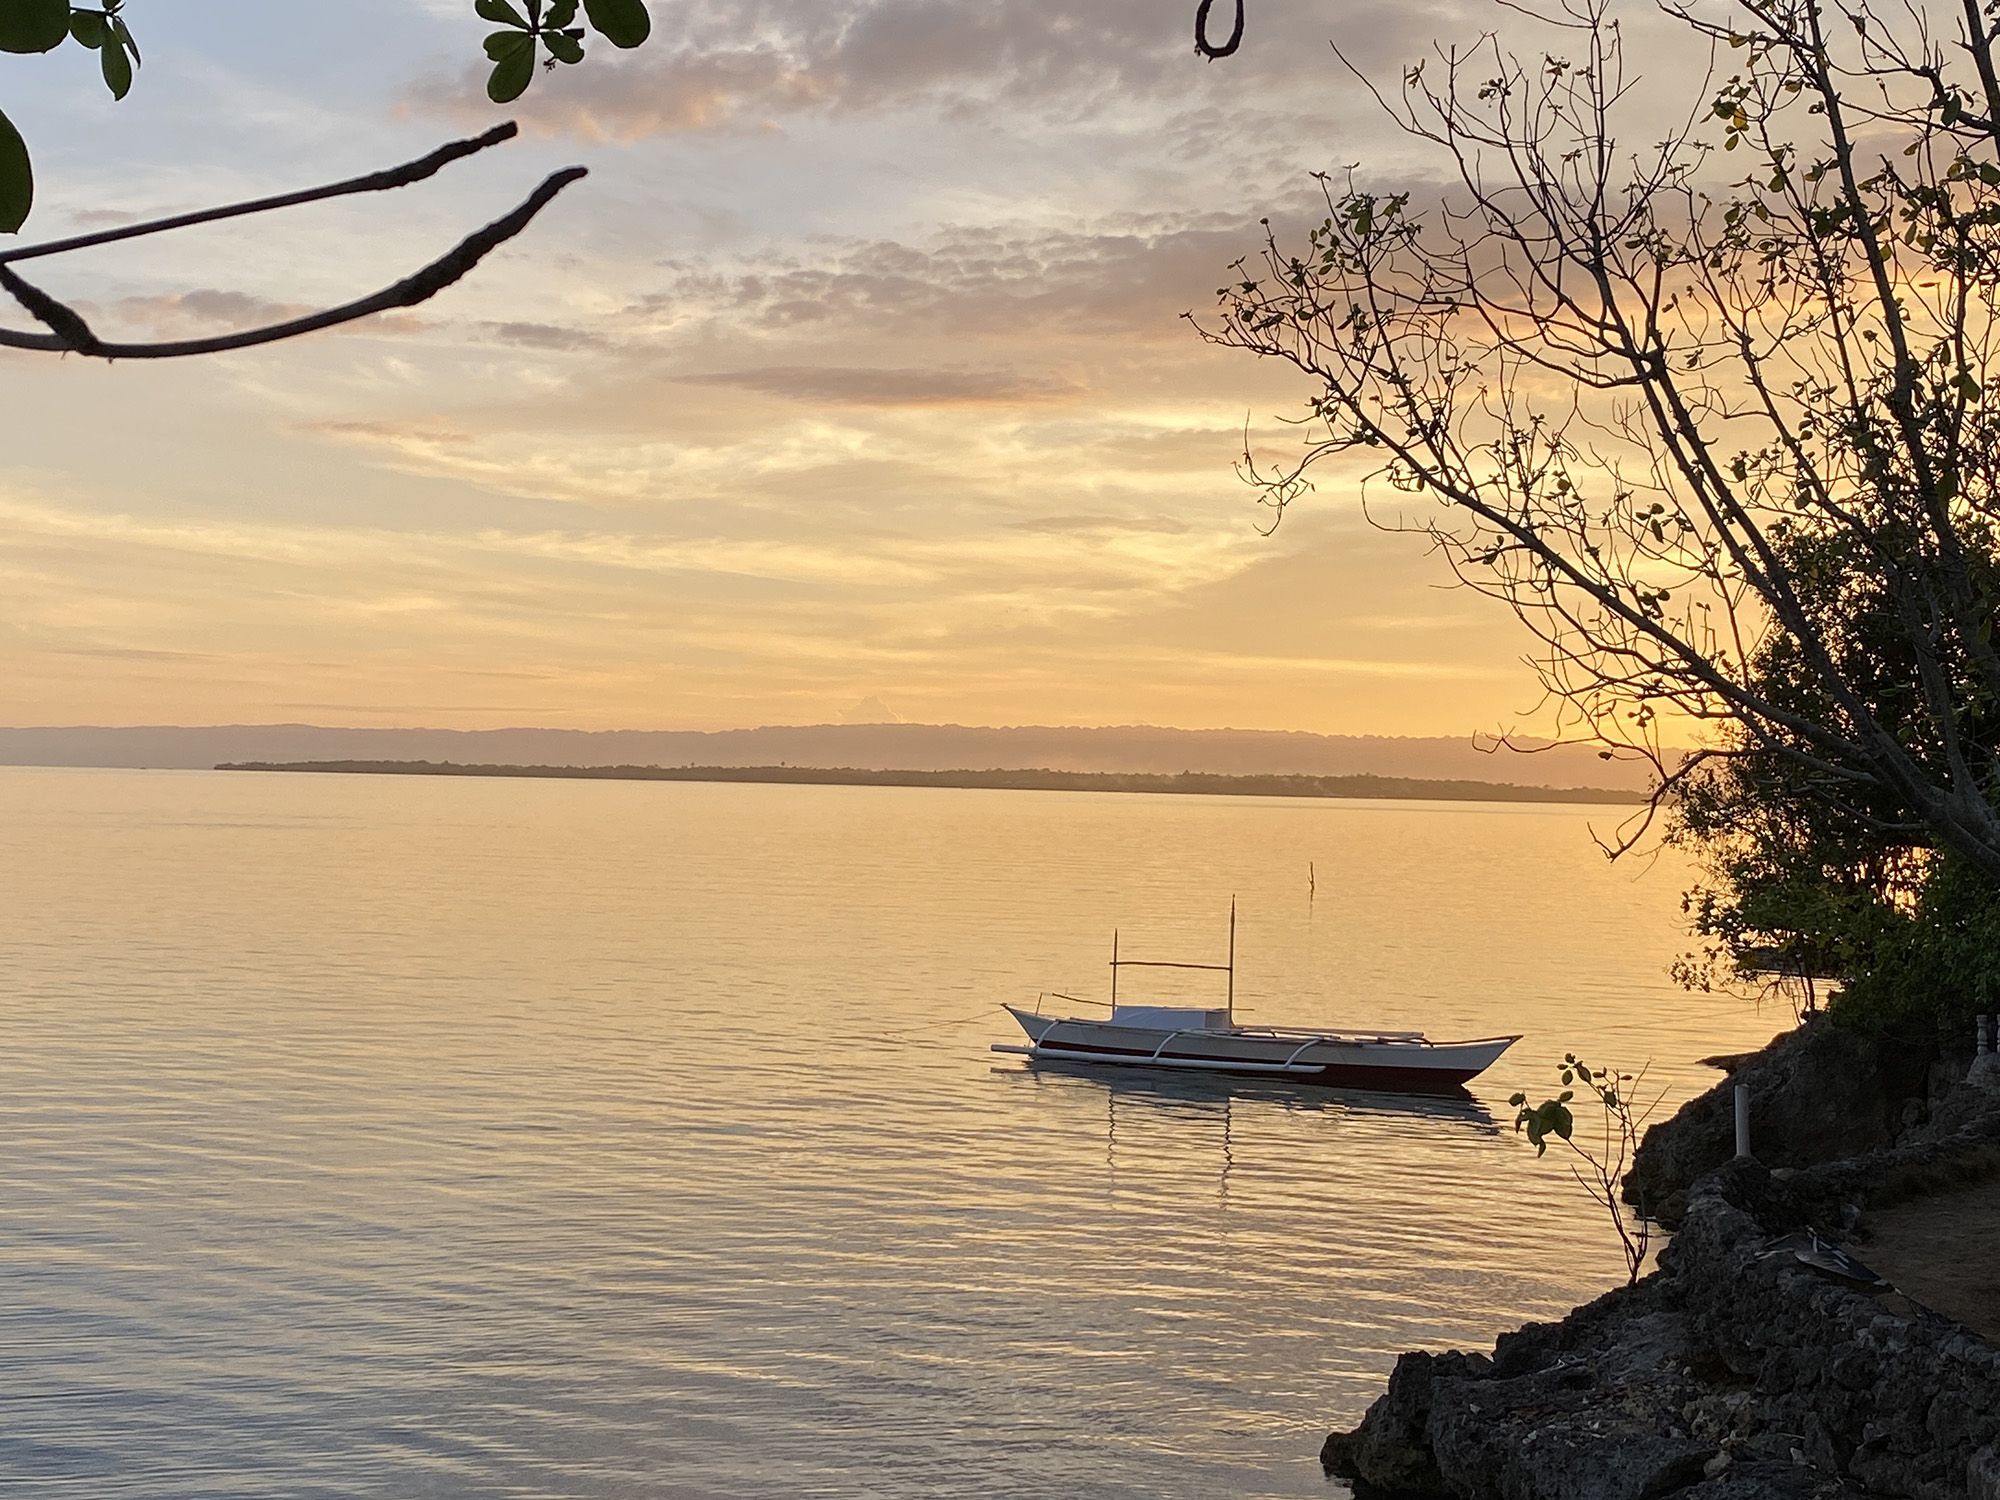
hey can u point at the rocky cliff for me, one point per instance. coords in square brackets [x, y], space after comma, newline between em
[1817, 1094]
[1735, 1372]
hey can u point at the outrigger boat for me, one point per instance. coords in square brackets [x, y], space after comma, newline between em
[1208, 1040]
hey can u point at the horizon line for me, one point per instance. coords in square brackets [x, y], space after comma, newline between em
[1495, 739]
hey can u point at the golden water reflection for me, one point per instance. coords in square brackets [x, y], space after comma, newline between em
[469, 1138]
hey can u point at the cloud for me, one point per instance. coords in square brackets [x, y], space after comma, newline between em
[132, 653]
[392, 433]
[553, 337]
[206, 310]
[745, 62]
[1131, 278]
[747, 65]
[871, 710]
[755, 67]
[103, 218]
[1068, 525]
[849, 386]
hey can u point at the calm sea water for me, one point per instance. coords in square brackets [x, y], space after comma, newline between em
[399, 1137]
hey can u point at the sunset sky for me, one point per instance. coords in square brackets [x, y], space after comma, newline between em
[852, 382]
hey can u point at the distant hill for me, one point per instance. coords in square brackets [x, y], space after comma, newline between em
[1185, 783]
[881, 747]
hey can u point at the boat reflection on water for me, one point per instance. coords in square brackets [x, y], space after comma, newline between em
[1206, 1093]
[1213, 1110]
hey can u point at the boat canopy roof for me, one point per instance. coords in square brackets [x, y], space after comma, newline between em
[1172, 1017]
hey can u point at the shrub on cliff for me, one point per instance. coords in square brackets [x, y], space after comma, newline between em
[1805, 877]
[1935, 966]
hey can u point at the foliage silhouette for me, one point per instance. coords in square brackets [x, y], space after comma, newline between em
[534, 31]
[1638, 387]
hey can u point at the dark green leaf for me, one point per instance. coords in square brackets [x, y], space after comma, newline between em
[623, 22]
[503, 45]
[124, 34]
[500, 13]
[564, 46]
[33, 25]
[17, 178]
[559, 14]
[117, 65]
[88, 27]
[512, 74]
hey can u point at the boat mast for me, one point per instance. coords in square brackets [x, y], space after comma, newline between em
[1232, 960]
[1114, 972]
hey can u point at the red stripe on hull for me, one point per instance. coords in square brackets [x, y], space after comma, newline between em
[1377, 1076]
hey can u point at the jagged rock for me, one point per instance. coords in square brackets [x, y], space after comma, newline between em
[1391, 1449]
[1767, 1479]
[1982, 1475]
[1586, 1409]
[1816, 1094]
[1736, 1372]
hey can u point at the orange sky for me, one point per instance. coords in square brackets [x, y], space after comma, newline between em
[854, 372]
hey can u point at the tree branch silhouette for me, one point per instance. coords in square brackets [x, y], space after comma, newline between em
[1631, 395]
[69, 333]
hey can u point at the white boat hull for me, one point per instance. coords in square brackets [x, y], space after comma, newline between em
[1400, 1062]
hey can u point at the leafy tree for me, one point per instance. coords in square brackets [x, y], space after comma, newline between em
[1806, 880]
[1804, 877]
[1639, 396]
[1932, 971]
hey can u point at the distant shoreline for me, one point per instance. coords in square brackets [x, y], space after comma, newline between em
[1186, 783]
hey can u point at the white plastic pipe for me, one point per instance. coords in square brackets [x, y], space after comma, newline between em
[1742, 1120]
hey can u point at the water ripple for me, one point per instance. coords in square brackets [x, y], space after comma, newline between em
[386, 1137]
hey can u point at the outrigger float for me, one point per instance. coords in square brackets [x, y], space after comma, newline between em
[1208, 1040]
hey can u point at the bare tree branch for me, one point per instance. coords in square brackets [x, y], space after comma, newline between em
[70, 334]
[1670, 419]
[369, 182]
